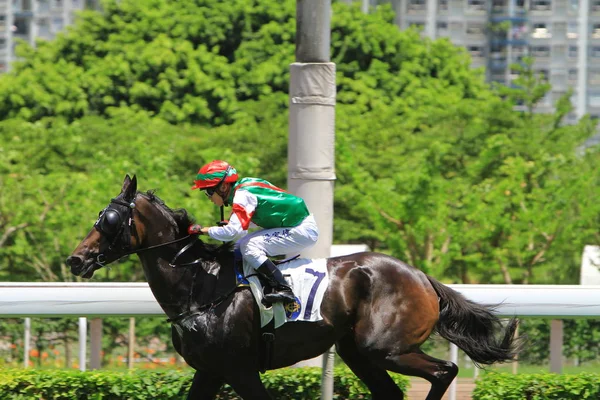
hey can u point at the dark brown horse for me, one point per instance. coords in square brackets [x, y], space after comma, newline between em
[377, 310]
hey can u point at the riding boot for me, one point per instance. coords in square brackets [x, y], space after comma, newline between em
[280, 290]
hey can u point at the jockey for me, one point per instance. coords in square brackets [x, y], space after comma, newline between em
[287, 226]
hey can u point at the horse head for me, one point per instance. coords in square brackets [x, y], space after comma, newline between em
[115, 233]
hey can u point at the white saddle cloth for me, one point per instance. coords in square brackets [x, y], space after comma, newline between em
[309, 280]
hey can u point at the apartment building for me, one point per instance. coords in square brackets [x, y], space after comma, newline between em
[562, 35]
[32, 19]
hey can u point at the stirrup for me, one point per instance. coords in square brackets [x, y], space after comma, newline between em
[280, 294]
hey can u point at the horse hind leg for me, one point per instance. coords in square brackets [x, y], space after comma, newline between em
[377, 379]
[439, 373]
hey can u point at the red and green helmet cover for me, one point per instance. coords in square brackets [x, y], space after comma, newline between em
[213, 173]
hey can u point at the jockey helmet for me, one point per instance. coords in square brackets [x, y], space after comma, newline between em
[213, 174]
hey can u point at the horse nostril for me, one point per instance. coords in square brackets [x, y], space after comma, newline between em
[74, 261]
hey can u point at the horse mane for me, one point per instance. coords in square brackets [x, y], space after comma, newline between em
[181, 219]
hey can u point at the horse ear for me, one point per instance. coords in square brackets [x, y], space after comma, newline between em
[133, 184]
[126, 183]
[131, 189]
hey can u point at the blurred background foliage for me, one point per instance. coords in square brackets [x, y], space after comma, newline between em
[434, 166]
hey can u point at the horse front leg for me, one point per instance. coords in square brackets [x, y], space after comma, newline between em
[204, 386]
[248, 386]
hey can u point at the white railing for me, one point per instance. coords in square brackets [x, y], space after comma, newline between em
[136, 299]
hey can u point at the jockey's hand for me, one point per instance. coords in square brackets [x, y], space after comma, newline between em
[195, 229]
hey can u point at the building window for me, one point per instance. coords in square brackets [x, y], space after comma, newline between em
[595, 5]
[2, 23]
[498, 6]
[43, 6]
[572, 30]
[499, 77]
[594, 100]
[559, 51]
[442, 29]
[541, 5]
[559, 28]
[456, 27]
[43, 26]
[416, 5]
[58, 24]
[475, 29]
[595, 52]
[572, 77]
[573, 6]
[544, 75]
[2, 44]
[20, 27]
[594, 77]
[540, 51]
[475, 51]
[442, 5]
[475, 5]
[518, 31]
[596, 31]
[540, 31]
[519, 52]
[572, 51]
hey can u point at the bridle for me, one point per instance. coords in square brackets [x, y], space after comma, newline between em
[116, 222]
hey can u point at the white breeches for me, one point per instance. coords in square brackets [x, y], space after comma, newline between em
[255, 247]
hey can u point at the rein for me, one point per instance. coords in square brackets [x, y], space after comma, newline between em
[124, 214]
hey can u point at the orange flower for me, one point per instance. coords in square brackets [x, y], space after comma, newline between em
[34, 353]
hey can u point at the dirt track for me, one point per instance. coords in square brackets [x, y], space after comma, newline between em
[419, 389]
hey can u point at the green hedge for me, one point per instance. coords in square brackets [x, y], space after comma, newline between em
[292, 383]
[504, 386]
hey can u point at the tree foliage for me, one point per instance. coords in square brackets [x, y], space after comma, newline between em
[433, 165]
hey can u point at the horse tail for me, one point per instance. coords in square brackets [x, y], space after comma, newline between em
[474, 328]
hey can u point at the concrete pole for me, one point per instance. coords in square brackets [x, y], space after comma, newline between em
[582, 57]
[454, 359]
[82, 343]
[556, 345]
[27, 342]
[431, 21]
[130, 348]
[95, 343]
[311, 142]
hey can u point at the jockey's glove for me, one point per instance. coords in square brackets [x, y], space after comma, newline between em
[195, 229]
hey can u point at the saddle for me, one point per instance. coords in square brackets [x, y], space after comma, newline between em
[308, 279]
